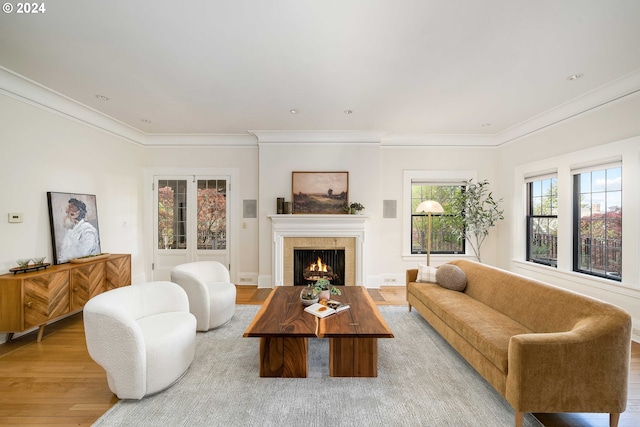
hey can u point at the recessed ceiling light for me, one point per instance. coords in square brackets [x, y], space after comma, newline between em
[145, 120]
[294, 111]
[575, 76]
[348, 111]
[102, 97]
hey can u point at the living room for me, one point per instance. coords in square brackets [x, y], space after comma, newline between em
[53, 140]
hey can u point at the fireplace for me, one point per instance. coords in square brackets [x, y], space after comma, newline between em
[319, 232]
[309, 265]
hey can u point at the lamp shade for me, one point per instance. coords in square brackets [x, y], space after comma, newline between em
[430, 206]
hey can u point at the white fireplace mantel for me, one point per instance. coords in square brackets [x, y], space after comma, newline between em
[284, 226]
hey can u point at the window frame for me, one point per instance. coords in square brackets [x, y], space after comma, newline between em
[434, 217]
[434, 177]
[530, 216]
[578, 217]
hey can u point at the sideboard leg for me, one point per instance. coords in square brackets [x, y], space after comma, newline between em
[40, 332]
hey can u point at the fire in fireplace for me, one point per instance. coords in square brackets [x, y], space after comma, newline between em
[309, 265]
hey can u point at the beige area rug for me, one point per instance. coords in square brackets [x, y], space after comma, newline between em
[421, 381]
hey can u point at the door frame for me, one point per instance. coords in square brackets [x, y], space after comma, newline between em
[232, 219]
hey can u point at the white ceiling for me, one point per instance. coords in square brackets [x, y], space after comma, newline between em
[403, 67]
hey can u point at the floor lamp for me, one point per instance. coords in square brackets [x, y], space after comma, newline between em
[429, 206]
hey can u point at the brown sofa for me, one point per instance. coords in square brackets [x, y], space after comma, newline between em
[543, 348]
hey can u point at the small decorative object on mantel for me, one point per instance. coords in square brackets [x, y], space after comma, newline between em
[355, 208]
[280, 205]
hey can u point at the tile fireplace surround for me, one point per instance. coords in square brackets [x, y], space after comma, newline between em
[318, 232]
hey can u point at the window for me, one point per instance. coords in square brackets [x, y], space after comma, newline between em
[212, 214]
[443, 241]
[598, 221]
[542, 220]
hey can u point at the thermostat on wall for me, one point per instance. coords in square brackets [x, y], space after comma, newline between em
[15, 217]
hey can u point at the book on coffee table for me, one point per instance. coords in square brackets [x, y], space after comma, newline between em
[321, 310]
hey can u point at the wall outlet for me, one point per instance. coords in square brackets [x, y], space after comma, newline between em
[15, 216]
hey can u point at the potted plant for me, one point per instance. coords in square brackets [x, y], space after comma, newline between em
[474, 211]
[324, 289]
[355, 208]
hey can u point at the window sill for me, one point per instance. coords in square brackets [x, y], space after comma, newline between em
[436, 259]
[577, 278]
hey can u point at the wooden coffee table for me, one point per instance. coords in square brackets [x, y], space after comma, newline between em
[284, 329]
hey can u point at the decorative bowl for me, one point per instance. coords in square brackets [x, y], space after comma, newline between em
[23, 263]
[39, 260]
[308, 302]
[308, 296]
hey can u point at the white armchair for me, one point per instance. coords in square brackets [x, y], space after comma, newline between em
[212, 296]
[142, 335]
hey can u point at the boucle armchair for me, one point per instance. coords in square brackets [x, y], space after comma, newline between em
[142, 335]
[212, 296]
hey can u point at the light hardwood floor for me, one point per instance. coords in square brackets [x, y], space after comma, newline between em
[55, 382]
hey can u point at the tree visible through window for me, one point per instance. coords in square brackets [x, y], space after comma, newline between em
[598, 223]
[443, 241]
[172, 214]
[542, 221]
[212, 214]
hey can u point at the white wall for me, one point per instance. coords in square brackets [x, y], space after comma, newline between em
[46, 151]
[610, 130]
[375, 174]
[393, 162]
[278, 161]
[42, 151]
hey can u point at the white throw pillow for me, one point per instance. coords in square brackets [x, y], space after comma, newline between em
[426, 274]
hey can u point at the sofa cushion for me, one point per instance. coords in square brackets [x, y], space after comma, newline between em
[426, 274]
[451, 277]
[484, 328]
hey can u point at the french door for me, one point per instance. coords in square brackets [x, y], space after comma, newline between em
[190, 217]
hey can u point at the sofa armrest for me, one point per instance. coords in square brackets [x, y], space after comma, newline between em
[411, 275]
[582, 370]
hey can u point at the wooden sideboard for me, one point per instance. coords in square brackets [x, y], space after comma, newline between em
[36, 298]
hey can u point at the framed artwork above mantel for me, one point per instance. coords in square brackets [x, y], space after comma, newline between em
[320, 192]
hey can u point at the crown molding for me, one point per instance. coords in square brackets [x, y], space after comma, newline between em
[23, 89]
[610, 92]
[312, 137]
[442, 140]
[200, 140]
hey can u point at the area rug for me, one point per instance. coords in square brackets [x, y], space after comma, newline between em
[421, 381]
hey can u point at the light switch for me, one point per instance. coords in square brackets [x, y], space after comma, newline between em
[15, 216]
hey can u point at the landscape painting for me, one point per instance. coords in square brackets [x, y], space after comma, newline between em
[320, 192]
